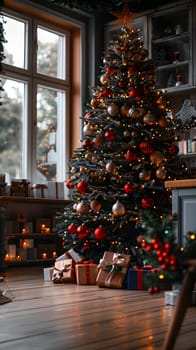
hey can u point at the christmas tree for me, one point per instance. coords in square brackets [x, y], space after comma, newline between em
[129, 149]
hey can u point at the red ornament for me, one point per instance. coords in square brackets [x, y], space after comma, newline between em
[129, 187]
[110, 135]
[83, 231]
[100, 233]
[173, 149]
[82, 187]
[87, 144]
[130, 156]
[147, 202]
[110, 70]
[132, 69]
[86, 245]
[69, 184]
[167, 246]
[146, 147]
[121, 83]
[72, 229]
[87, 114]
[135, 93]
[106, 93]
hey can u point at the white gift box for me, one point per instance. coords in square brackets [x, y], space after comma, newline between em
[47, 272]
[172, 296]
[56, 190]
[74, 255]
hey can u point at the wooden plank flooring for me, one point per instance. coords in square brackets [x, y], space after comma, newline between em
[45, 316]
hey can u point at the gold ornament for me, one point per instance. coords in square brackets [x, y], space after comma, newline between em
[95, 102]
[104, 79]
[156, 157]
[161, 173]
[118, 209]
[124, 110]
[149, 118]
[88, 130]
[95, 205]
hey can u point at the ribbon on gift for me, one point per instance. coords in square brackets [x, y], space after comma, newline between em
[65, 269]
[113, 265]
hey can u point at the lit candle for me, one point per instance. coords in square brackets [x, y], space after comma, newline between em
[24, 244]
[7, 257]
[24, 231]
[47, 230]
[54, 255]
[44, 256]
[43, 227]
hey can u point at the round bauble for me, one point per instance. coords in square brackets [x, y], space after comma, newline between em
[161, 173]
[147, 202]
[69, 184]
[110, 167]
[113, 110]
[87, 144]
[149, 119]
[156, 157]
[110, 70]
[82, 208]
[95, 205]
[98, 140]
[130, 156]
[100, 233]
[146, 147]
[71, 229]
[118, 209]
[104, 79]
[124, 110]
[110, 135]
[82, 187]
[145, 175]
[88, 130]
[129, 187]
[83, 231]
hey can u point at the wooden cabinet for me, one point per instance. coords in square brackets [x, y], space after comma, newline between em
[184, 206]
[28, 230]
[171, 46]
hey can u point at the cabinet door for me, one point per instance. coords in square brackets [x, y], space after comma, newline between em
[184, 205]
[171, 47]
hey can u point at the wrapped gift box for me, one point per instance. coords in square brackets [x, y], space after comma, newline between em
[75, 256]
[48, 272]
[56, 190]
[136, 280]
[63, 271]
[172, 296]
[86, 273]
[112, 270]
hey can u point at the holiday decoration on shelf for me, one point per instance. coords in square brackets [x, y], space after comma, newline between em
[128, 150]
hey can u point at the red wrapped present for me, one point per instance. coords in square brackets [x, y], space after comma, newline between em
[112, 270]
[63, 271]
[86, 273]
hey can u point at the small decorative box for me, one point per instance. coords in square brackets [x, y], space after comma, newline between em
[86, 273]
[112, 270]
[47, 272]
[63, 271]
[172, 296]
[135, 279]
[77, 258]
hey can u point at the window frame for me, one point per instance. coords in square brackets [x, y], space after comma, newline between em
[9, 72]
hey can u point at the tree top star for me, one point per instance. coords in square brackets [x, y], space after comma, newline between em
[125, 17]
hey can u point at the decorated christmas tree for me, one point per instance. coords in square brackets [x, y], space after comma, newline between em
[128, 150]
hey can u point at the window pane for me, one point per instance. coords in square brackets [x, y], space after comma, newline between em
[11, 121]
[50, 54]
[15, 49]
[50, 107]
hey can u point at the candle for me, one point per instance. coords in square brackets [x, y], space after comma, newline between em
[47, 230]
[24, 231]
[54, 255]
[43, 227]
[7, 257]
[24, 244]
[44, 256]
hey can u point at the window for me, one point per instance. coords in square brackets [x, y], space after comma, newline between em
[35, 109]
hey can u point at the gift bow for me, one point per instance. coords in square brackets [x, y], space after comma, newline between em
[114, 265]
[66, 268]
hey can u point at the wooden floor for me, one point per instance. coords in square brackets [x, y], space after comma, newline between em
[45, 316]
